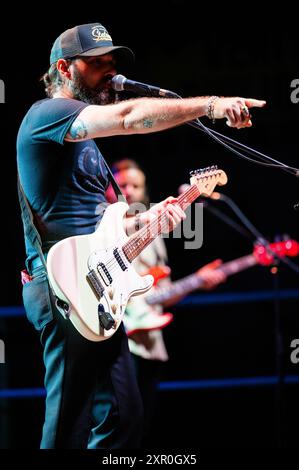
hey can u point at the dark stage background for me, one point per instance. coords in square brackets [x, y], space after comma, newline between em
[205, 342]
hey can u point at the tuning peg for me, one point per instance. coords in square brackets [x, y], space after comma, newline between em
[200, 171]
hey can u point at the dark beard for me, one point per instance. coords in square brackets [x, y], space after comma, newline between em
[82, 92]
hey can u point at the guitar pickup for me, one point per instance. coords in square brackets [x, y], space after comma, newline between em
[95, 284]
[119, 259]
[104, 273]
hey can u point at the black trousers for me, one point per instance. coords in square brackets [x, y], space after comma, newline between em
[149, 373]
[93, 400]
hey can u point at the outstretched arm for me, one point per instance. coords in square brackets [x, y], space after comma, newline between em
[145, 115]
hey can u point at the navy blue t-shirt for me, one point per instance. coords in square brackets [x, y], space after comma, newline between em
[64, 182]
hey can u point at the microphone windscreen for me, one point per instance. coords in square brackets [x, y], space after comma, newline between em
[117, 82]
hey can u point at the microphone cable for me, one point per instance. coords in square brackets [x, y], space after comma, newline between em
[229, 143]
[121, 83]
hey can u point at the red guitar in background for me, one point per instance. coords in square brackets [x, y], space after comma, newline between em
[147, 318]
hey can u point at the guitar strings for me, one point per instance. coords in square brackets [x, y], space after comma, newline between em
[153, 228]
[157, 225]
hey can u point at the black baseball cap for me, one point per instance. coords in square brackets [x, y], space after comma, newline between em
[85, 40]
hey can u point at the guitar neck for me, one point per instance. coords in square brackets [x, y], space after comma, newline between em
[141, 239]
[194, 281]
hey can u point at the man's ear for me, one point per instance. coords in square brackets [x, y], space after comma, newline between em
[63, 66]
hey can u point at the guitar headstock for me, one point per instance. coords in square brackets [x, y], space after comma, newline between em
[206, 179]
[281, 249]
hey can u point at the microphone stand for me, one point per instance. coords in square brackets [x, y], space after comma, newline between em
[279, 398]
[228, 220]
[279, 349]
[232, 145]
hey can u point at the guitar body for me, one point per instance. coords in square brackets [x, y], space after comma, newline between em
[86, 271]
[93, 275]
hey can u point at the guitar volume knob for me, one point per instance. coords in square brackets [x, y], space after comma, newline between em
[111, 292]
[114, 308]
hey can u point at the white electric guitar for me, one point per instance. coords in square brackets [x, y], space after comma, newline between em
[93, 275]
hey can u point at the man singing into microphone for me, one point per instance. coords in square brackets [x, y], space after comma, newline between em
[64, 178]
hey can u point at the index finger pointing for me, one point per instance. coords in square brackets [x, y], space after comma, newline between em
[251, 103]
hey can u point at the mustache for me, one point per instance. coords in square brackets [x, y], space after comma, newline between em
[102, 93]
[106, 80]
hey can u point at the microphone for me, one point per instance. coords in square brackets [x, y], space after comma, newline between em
[121, 83]
[216, 196]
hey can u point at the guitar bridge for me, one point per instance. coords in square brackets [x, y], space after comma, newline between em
[95, 284]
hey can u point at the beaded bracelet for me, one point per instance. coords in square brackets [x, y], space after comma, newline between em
[211, 104]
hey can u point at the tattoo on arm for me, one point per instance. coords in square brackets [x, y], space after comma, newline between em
[78, 130]
[148, 122]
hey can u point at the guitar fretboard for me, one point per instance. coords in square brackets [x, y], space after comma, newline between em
[153, 229]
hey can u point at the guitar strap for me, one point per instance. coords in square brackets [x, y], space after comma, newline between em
[114, 183]
[34, 237]
[31, 231]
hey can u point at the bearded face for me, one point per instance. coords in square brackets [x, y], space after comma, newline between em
[102, 94]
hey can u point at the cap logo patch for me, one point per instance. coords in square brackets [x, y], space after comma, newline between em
[99, 33]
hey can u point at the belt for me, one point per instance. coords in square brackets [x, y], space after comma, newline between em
[36, 263]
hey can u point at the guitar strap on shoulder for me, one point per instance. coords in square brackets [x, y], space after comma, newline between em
[34, 237]
[114, 183]
[31, 231]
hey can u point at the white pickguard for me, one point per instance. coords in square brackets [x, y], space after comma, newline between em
[70, 260]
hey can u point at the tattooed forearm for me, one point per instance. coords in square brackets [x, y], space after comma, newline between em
[78, 130]
[151, 122]
[148, 122]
